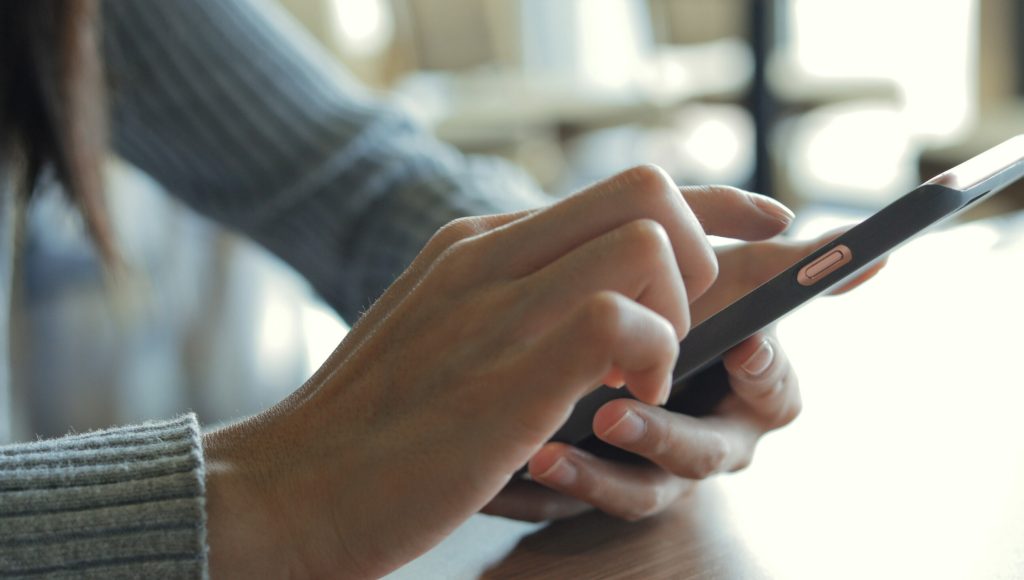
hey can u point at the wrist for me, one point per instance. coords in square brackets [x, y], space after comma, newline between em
[240, 525]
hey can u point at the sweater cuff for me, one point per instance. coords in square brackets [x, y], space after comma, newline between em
[128, 501]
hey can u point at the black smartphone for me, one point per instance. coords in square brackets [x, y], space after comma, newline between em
[699, 379]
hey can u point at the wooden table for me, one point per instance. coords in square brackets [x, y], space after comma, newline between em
[908, 461]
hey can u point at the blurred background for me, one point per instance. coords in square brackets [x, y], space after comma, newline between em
[835, 108]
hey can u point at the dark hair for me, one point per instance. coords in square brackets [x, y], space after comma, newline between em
[52, 101]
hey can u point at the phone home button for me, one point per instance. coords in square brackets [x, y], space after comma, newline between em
[831, 261]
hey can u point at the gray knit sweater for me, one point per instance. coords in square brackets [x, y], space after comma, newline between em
[234, 110]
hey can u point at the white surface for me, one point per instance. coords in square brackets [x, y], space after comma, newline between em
[913, 391]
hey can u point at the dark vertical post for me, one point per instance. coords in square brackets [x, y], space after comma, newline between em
[761, 101]
[1019, 38]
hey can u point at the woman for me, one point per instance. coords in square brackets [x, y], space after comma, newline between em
[455, 377]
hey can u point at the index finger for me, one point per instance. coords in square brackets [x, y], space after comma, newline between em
[717, 208]
[644, 192]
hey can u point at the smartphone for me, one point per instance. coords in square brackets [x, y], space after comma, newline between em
[699, 379]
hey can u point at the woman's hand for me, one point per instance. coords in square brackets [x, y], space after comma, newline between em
[683, 450]
[466, 366]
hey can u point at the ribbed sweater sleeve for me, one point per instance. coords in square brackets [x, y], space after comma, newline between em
[238, 112]
[118, 503]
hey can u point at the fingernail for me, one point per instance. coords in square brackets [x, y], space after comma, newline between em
[774, 209]
[628, 429]
[562, 473]
[760, 360]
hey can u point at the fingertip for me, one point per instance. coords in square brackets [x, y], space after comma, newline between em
[619, 422]
[760, 374]
[611, 410]
[734, 213]
[752, 357]
[543, 459]
[552, 465]
[614, 379]
[651, 386]
[774, 217]
[745, 347]
[774, 209]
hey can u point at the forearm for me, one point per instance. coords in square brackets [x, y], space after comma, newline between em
[233, 109]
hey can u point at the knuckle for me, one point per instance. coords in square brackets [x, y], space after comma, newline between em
[651, 188]
[456, 231]
[702, 272]
[603, 314]
[454, 264]
[590, 489]
[455, 246]
[459, 248]
[707, 271]
[660, 442]
[670, 335]
[765, 392]
[645, 242]
[711, 458]
[648, 178]
[790, 412]
[682, 327]
[744, 461]
[643, 505]
[666, 347]
[647, 238]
